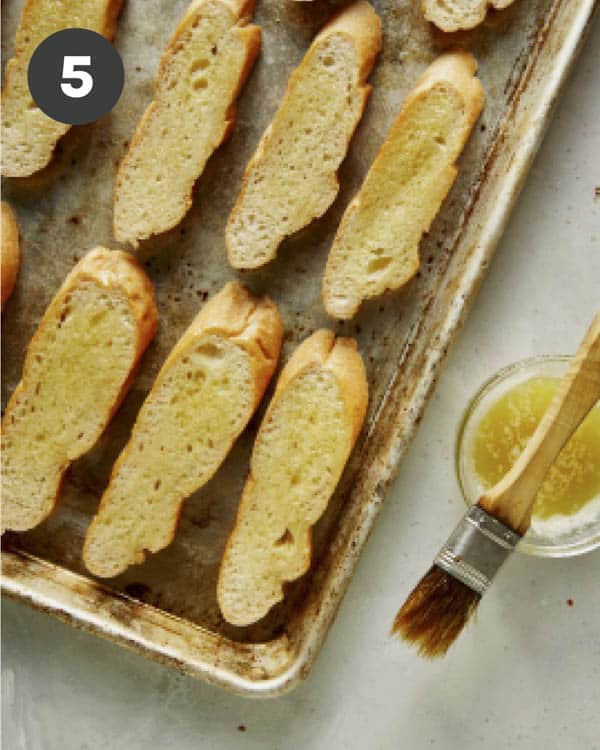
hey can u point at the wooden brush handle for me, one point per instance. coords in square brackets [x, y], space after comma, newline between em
[512, 499]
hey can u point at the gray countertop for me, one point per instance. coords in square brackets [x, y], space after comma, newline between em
[525, 675]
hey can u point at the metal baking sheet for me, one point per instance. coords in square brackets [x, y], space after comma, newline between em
[166, 608]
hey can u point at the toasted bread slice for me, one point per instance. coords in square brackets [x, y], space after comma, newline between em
[376, 247]
[79, 366]
[9, 252]
[302, 446]
[292, 177]
[200, 76]
[454, 15]
[203, 398]
[28, 135]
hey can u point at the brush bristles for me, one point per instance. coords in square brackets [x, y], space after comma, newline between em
[436, 611]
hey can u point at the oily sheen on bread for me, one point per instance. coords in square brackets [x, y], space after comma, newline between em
[78, 368]
[200, 76]
[301, 448]
[203, 398]
[376, 247]
[28, 135]
[292, 177]
[454, 15]
[9, 252]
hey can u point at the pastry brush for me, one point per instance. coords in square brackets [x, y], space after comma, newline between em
[443, 601]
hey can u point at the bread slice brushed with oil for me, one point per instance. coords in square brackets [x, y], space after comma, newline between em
[292, 177]
[28, 135]
[301, 449]
[200, 76]
[203, 398]
[454, 15]
[376, 247]
[9, 252]
[78, 368]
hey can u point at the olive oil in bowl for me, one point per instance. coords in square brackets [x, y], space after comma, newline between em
[498, 424]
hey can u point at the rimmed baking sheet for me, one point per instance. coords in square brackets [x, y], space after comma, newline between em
[166, 608]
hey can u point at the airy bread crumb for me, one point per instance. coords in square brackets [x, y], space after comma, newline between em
[79, 366]
[454, 15]
[292, 177]
[376, 247]
[200, 76]
[301, 449]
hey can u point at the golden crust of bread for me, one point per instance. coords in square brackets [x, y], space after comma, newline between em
[357, 22]
[250, 36]
[105, 269]
[362, 25]
[9, 252]
[321, 352]
[252, 324]
[38, 21]
[451, 73]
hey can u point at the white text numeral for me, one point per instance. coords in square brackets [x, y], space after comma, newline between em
[71, 73]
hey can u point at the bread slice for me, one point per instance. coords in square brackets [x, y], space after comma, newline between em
[200, 76]
[78, 368]
[301, 448]
[28, 135]
[376, 246]
[9, 252]
[292, 177]
[453, 15]
[202, 400]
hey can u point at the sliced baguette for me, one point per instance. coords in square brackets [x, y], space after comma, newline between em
[376, 247]
[292, 177]
[78, 368]
[301, 448]
[203, 398]
[9, 252]
[28, 135]
[454, 15]
[200, 76]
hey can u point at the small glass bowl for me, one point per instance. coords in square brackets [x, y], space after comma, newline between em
[575, 541]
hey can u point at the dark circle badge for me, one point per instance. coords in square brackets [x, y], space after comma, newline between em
[76, 76]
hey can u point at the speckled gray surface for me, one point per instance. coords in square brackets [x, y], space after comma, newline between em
[526, 674]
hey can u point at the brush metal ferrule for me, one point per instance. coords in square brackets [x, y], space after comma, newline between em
[476, 549]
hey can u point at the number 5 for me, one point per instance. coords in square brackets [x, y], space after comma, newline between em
[69, 72]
